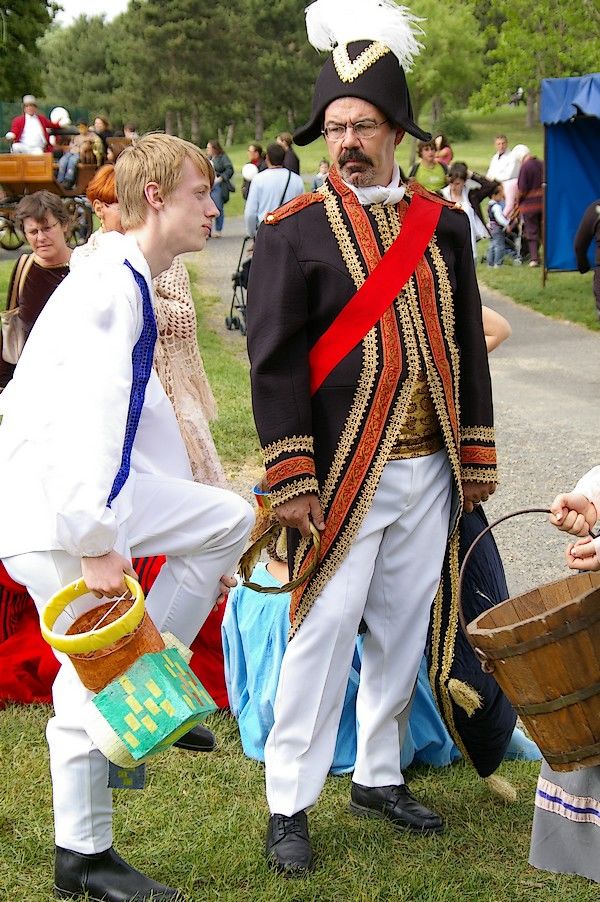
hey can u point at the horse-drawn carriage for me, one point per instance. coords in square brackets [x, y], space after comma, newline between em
[25, 173]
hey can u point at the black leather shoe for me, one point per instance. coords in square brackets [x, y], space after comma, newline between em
[105, 877]
[198, 739]
[288, 845]
[396, 804]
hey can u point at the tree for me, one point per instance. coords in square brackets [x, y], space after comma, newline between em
[284, 63]
[172, 61]
[22, 24]
[449, 67]
[540, 40]
[75, 64]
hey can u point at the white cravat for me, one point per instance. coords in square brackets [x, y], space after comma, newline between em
[378, 194]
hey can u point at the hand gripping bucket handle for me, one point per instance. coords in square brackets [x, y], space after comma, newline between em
[461, 616]
[94, 639]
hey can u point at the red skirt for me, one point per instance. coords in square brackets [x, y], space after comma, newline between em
[28, 666]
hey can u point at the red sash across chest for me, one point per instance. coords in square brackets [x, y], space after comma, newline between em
[377, 292]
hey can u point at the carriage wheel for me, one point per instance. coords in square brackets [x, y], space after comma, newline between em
[10, 239]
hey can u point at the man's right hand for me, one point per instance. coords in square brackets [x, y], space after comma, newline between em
[299, 512]
[574, 513]
[104, 575]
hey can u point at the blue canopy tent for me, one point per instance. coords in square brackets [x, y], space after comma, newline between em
[570, 113]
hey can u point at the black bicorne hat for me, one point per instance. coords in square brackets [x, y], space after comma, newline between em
[368, 70]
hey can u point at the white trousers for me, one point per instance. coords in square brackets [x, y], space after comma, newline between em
[202, 530]
[389, 577]
[19, 147]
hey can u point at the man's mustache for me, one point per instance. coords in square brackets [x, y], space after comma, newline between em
[354, 156]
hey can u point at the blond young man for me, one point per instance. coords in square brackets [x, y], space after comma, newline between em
[95, 470]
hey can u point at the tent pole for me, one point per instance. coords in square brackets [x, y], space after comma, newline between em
[544, 189]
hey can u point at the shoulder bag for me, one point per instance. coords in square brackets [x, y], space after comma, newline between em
[14, 330]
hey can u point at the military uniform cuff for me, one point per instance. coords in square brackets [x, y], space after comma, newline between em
[478, 454]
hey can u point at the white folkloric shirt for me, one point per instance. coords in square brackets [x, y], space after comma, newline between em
[66, 412]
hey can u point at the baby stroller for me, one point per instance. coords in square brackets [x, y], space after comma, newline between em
[237, 312]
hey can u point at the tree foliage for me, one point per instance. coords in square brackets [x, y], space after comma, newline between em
[450, 66]
[200, 68]
[75, 62]
[22, 24]
[540, 40]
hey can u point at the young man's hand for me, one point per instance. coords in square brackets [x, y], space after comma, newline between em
[104, 575]
[225, 584]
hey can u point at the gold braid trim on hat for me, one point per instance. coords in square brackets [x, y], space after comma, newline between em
[349, 71]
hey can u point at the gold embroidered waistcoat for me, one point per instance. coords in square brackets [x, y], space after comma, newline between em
[420, 432]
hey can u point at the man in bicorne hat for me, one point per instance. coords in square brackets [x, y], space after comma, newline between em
[372, 401]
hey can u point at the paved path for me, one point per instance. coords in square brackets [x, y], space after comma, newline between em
[546, 382]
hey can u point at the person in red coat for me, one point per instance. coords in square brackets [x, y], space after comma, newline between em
[29, 132]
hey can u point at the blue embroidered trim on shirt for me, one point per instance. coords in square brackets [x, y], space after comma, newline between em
[142, 358]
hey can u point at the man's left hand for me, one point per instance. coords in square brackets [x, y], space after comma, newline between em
[476, 492]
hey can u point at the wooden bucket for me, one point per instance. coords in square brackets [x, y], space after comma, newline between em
[543, 649]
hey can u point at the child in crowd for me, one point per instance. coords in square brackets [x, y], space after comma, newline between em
[321, 174]
[498, 226]
[255, 634]
[427, 171]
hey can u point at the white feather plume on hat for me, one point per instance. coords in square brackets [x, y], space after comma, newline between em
[333, 22]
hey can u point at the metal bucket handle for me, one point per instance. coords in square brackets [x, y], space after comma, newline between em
[461, 616]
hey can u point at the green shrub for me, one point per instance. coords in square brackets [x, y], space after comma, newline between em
[454, 127]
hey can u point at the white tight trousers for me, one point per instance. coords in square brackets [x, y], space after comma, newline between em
[202, 530]
[389, 576]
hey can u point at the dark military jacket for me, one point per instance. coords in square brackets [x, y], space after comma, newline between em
[310, 258]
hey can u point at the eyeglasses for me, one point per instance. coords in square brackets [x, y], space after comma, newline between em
[33, 233]
[366, 128]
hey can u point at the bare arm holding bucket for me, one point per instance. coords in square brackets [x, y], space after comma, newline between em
[584, 554]
[574, 513]
[577, 511]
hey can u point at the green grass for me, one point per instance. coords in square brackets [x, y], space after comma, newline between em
[228, 374]
[567, 295]
[200, 824]
[476, 152]
[6, 267]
